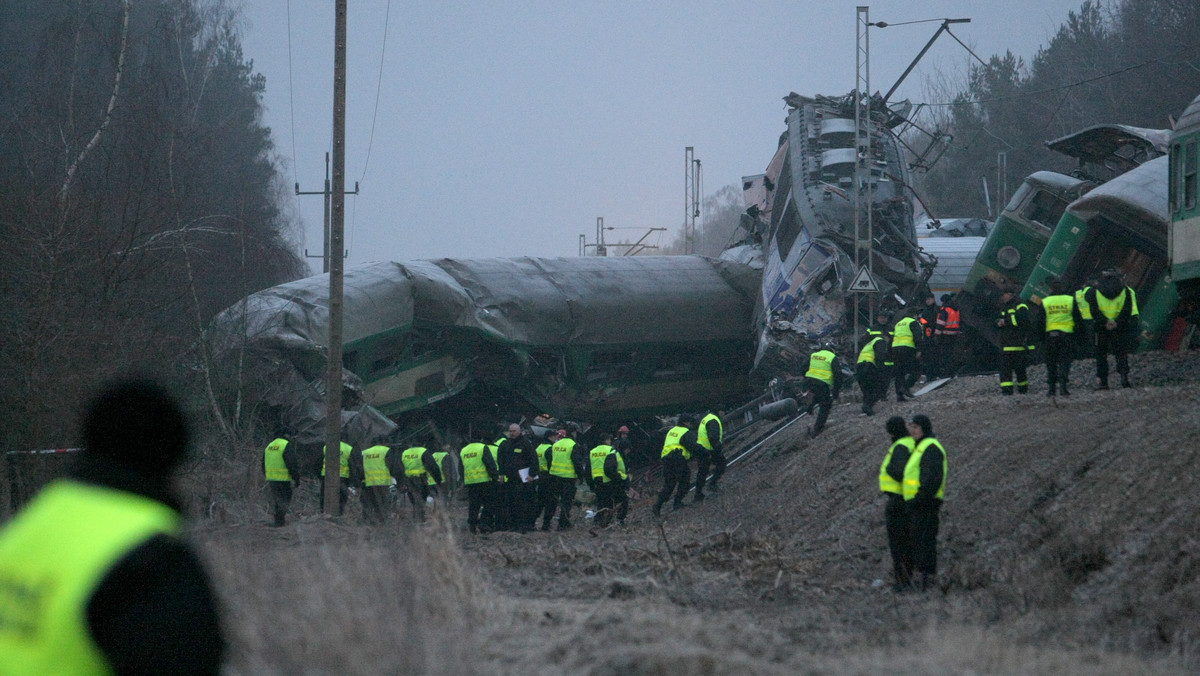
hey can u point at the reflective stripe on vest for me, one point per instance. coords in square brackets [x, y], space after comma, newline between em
[886, 483]
[598, 455]
[53, 554]
[412, 461]
[1059, 313]
[273, 464]
[951, 325]
[702, 431]
[903, 334]
[344, 466]
[438, 457]
[868, 352]
[560, 459]
[375, 471]
[672, 442]
[912, 470]
[820, 366]
[543, 461]
[474, 471]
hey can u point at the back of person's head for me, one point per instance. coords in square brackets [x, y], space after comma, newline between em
[895, 426]
[921, 420]
[137, 425]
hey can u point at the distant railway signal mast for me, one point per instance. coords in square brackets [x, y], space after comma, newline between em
[691, 198]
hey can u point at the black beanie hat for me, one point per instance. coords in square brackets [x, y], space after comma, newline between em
[137, 425]
[895, 426]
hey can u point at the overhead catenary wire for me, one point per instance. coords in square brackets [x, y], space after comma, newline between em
[374, 117]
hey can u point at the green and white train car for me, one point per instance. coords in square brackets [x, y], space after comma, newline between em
[1184, 203]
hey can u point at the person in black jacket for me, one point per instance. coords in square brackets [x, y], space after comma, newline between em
[1013, 327]
[1114, 323]
[924, 490]
[679, 446]
[895, 514]
[515, 454]
[151, 608]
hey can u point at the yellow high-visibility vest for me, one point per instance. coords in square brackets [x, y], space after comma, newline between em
[560, 459]
[543, 461]
[52, 556]
[344, 466]
[273, 465]
[672, 442]
[1085, 310]
[886, 483]
[1060, 314]
[375, 471]
[598, 455]
[474, 471]
[903, 334]
[439, 457]
[912, 470]
[412, 461]
[702, 431]
[820, 366]
[867, 354]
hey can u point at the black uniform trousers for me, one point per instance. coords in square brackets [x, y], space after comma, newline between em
[1013, 362]
[873, 386]
[899, 534]
[1115, 343]
[924, 517]
[677, 478]
[521, 505]
[905, 359]
[619, 499]
[561, 494]
[711, 460]
[281, 499]
[822, 400]
[479, 496]
[373, 500]
[343, 493]
[1059, 346]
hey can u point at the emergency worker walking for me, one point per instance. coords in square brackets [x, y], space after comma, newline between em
[1062, 317]
[869, 372]
[282, 472]
[907, 339]
[678, 447]
[1115, 321]
[822, 381]
[1013, 324]
[924, 489]
[710, 435]
[96, 575]
[895, 514]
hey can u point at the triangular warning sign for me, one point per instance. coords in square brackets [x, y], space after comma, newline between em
[864, 282]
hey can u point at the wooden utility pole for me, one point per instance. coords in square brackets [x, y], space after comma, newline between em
[337, 224]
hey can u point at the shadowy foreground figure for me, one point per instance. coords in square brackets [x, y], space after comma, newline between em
[95, 576]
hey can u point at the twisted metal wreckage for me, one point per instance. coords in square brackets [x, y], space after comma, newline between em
[593, 338]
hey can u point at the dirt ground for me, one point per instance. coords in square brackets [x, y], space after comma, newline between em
[1070, 544]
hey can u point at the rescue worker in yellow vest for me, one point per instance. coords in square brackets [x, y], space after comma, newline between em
[610, 483]
[281, 470]
[924, 490]
[481, 478]
[96, 575]
[1115, 323]
[377, 479]
[1013, 326]
[886, 366]
[679, 446]
[1062, 319]
[869, 371]
[542, 486]
[711, 436]
[439, 483]
[895, 514]
[568, 462]
[343, 474]
[907, 338]
[1087, 339]
[421, 470]
[519, 466]
[823, 383]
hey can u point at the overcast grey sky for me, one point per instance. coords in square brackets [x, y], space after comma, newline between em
[506, 128]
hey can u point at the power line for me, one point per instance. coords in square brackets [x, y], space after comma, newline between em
[378, 87]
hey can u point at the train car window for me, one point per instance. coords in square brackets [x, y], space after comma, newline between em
[789, 229]
[1018, 197]
[387, 353]
[1189, 175]
[1045, 208]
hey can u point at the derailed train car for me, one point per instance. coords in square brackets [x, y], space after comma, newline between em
[801, 211]
[595, 338]
[1184, 204]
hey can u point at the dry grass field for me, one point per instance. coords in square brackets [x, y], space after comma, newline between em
[1070, 544]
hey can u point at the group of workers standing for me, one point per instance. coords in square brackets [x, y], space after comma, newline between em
[1101, 317]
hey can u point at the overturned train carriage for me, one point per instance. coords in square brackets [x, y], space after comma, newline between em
[588, 338]
[803, 211]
